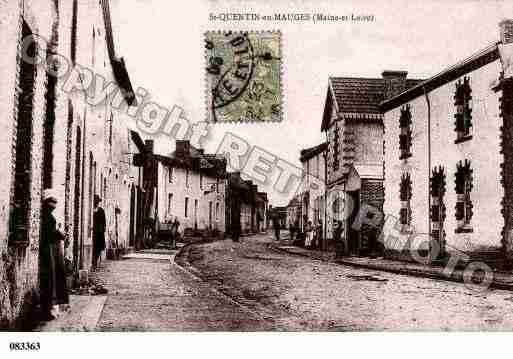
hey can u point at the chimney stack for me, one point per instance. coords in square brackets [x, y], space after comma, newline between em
[235, 175]
[148, 146]
[395, 82]
[183, 149]
[506, 31]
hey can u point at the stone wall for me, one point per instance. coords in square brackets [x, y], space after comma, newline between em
[483, 152]
[19, 263]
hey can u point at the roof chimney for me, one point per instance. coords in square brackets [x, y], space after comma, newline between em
[235, 175]
[395, 82]
[506, 31]
[183, 149]
[148, 146]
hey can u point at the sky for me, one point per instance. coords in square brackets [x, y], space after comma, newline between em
[162, 43]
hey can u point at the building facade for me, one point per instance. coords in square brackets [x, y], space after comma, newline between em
[353, 125]
[294, 209]
[58, 139]
[191, 187]
[313, 186]
[245, 205]
[448, 164]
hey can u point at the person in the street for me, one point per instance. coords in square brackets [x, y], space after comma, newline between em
[276, 226]
[309, 235]
[52, 277]
[337, 237]
[318, 234]
[291, 230]
[174, 231]
[99, 226]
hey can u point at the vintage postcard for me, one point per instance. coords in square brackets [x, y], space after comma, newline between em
[254, 166]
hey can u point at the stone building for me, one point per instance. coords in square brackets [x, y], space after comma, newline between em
[57, 139]
[279, 212]
[262, 204]
[313, 185]
[243, 200]
[191, 186]
[449, 157]
[353, 125]
[294, 211]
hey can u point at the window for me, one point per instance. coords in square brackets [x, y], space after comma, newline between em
[405, 132]
[463, 197]
[463, 116]
[336, 148]
[217, 211]
[169, 201]
[336, 207]
[170, 174]
[201, 181]
[187, 177]
[217, 185]
[405, 197]
[186, 207]
[438, 206]
[210, 207]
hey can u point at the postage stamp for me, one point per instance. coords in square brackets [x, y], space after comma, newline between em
[243, 75]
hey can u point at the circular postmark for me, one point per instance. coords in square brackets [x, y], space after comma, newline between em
[231, 60]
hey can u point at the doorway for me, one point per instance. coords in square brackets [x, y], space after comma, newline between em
[353, 236]
[132, 217]
[210, 215]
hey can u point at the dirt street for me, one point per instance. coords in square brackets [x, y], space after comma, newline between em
[151, 293]
[299, 293]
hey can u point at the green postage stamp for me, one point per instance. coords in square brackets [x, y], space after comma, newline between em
[243, 74]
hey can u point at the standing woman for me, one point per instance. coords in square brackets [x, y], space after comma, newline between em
[47, 255]
[99, 226]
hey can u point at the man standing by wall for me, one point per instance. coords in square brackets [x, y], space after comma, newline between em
[99, 225]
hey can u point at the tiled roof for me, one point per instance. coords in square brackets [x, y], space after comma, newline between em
[369, 171]
[475, 61]
[357, 98]
[211, 164]
[361, 95]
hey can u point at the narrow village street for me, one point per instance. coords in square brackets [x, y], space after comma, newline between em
[305, 294]
[253, 286]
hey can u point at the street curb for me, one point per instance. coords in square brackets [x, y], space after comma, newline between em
[456, 276]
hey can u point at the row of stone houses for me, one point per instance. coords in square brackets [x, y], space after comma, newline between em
[434, 156]
[245, 201]
[195, 189]
[56, 139]
[346, 171]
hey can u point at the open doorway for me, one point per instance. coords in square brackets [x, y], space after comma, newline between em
[353, 236]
